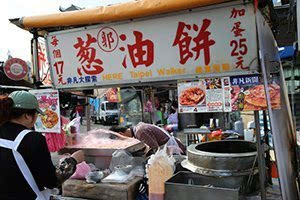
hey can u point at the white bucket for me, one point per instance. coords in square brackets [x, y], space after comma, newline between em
[248, 134]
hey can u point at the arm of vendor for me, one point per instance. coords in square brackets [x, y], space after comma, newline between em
[146, 133]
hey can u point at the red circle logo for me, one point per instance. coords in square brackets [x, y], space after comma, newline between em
[16, 69]
[107, 39]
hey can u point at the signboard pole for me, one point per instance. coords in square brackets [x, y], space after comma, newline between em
[267, 141]
[88, 118]
[260, 152]
[35, 56]
[298, 22]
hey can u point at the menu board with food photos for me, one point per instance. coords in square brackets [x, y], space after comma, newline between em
[226, 94]
[49, 103]
[248, 93]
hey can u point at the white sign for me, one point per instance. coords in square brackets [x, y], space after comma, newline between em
[49, 103]
[165, 48]
[43, 63]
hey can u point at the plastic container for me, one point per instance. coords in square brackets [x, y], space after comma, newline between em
[239, 127]
[159, 172]
[156, 196]
[249, 135]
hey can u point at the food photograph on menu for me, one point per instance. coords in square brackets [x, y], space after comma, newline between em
[192, 96]
[248, 93]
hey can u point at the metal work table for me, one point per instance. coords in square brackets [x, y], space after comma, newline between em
[191, 134]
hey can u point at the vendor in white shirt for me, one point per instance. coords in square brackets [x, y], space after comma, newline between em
[173, 120]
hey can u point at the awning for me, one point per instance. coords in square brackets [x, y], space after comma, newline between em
[118, 12]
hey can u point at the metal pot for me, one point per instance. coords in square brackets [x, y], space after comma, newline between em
[221, 158]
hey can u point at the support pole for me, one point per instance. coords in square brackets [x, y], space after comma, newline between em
[35, 54]
[153, 113]
[293, 91]
[143, 102]
[267, 141]
[260, 151]
[87, 111]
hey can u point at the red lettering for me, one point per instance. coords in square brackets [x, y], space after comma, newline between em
[54, 41]
[240, 63]
[239, 47]
[59, 66]
[237, 30]
[60, 80]
[107, 39]
[41, 57]
[237, 13]
[234, 52]
[141, 52]
[201, 41]
[87, 56]
[183, 40]
[56, 53]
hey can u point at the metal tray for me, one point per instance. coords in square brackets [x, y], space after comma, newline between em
[107, 152]
[191, 186]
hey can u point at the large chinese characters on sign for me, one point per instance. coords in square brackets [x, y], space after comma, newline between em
[166, 48]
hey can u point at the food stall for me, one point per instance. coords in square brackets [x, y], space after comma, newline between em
[221, 54]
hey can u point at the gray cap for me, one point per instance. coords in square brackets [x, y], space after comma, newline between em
[25, 100]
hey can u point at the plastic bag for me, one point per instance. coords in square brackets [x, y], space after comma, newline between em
[82, 169]
[159, 169]
[124, 168]
[120, 158]
[55, 141]
[124, 174]
[76, 123]
[118, 176]
[93, 167]
[173, 147]
[96, 176]
[161, 154]
[137, 171]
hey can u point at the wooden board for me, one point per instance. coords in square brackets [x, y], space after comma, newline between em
[101, 191]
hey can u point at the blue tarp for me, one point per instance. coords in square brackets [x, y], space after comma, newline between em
[95, 103]
[286, 52]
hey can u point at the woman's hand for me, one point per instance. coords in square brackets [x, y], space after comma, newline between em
[67, 166]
